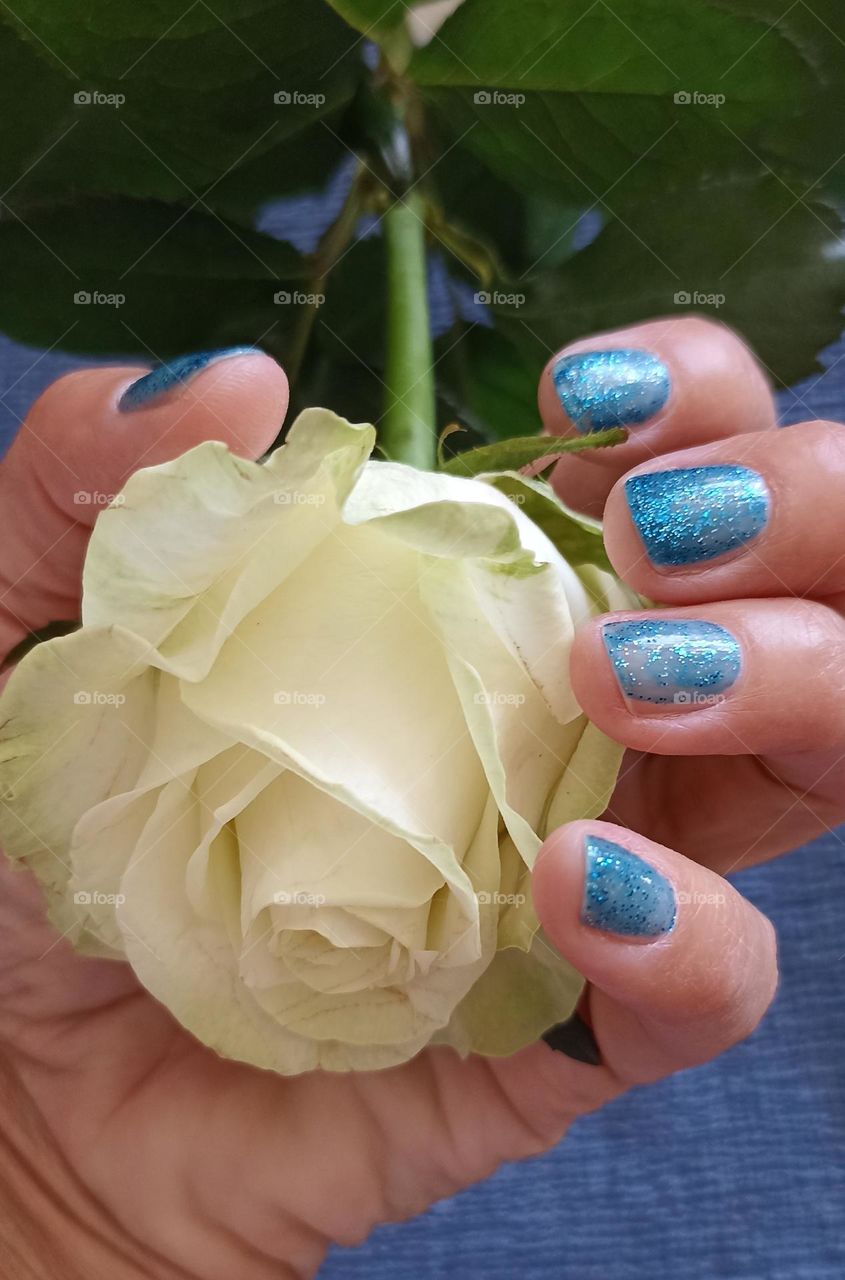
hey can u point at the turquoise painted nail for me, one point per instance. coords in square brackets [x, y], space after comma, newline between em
[623, 894]
[697, 513]
[669, 660]
[166, 378]
[603, 389]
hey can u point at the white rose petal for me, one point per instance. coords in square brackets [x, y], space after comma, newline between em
[297, 763]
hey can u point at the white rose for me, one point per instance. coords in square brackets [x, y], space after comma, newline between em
[297, 763]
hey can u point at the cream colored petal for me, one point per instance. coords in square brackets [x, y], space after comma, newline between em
[532, 598]
[303, 848]
[74, 719]
[524, 748]
[196, 543]
[341, 676]
[106, 835]
[410, 1014]
[187, 963]
[585, 788]
[223, 788]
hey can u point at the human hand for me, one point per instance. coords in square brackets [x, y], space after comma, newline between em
[135, 1151]
[747, 758]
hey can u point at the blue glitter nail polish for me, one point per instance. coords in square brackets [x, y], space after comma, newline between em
[688, 664]
[602, 389]
[623, 894]
[697, 513]
[165, 378]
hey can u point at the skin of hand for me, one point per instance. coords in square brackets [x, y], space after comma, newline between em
[129, 1150]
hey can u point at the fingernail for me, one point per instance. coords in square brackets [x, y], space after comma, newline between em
[575, 1039]
[623, 894]
[697, 513]
[667, 660]
[172, 375]
[602, 389]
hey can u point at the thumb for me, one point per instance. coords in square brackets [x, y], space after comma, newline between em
[680, 965]
[86, 434]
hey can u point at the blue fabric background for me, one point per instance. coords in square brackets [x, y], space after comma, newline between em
[735, 1171]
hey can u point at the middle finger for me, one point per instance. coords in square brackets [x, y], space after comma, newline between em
[754, 515]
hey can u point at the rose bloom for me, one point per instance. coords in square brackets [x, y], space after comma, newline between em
[298, 761]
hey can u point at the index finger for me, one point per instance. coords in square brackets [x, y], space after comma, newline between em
[673, 383]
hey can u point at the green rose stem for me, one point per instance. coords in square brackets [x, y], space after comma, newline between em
[407, 430]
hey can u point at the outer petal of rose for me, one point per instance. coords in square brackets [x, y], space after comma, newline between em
[524, 748]
[342, 677]
[66, 745]
[506, 605]
[105, 839]
[106, 834]
[585, 789]
[532, 598]
[527, 988]
[188, 964]
[192, 545]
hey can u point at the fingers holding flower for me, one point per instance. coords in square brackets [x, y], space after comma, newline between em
[307, 743]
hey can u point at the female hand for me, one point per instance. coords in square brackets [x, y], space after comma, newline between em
[130, 1150]
[730, 693]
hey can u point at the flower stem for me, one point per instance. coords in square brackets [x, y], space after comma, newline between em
[408, 429]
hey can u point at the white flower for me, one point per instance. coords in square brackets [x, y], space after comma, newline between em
[298, 761]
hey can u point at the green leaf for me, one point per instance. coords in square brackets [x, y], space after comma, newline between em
[157, 281]
[489, 382]
[377, 19]
[577, 537]
[586, 106]
[480, 204]
[511, 454]
[33, 98]
[196, 86]
[747, 253]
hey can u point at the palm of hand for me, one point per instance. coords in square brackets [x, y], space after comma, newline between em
[228, 1170]
[162, 1159]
